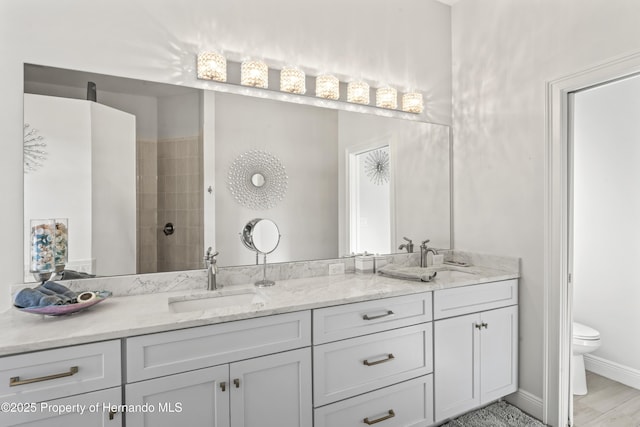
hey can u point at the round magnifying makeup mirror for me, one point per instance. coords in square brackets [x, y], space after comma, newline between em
[262, 236]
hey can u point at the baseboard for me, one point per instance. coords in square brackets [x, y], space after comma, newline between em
[527, 403]
[612, 370]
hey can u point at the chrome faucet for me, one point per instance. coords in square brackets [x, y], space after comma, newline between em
[212, 269]
[408, 246]
[424, 253]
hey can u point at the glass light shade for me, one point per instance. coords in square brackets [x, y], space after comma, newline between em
[254, 73]
[292, 80]
[212, 66]
[412, 102]
[387, 97]
[327, 86]
[358, 92]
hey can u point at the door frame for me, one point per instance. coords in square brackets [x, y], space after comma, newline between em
[558, 294]
[350, 179]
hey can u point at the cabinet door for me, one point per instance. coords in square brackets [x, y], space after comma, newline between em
[272, 390]
[456, 365]
[499, 353]
[197, 398]
[84, 410]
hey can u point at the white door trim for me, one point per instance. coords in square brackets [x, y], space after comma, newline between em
[351, 181]
[557, 293]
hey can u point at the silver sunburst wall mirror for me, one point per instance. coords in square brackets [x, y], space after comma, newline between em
[257, 180]
[33, 149]
[376, 166]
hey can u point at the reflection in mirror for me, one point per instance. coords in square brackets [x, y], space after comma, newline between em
[184, 140]
[370, 185]
[261, 236]
[257, 179]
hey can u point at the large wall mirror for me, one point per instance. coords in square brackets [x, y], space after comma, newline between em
[145, 174]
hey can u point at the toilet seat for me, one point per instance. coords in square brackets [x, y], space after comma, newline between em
[584, 332]
[585, 340]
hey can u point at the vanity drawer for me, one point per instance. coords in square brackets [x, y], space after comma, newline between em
[346, 368]
[48, 414]
[166, 353]
[51, 374]
[475, 298]
[351, 320]
[408, 404]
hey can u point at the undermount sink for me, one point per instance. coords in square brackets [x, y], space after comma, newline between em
[215, 300]
[447, 274]
[426, 274]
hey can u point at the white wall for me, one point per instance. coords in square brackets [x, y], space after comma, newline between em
[607, 217]
[503, 53]
[113, 195]
[405, 42]
[86, 142]
[179, 116]
[145, 108]
[61, 188]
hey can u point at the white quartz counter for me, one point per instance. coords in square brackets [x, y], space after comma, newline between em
[125, 316]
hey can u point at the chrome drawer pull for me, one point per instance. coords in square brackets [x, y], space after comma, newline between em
[377, 362]
[380, 316]
[14, 381]
[386, 417]
[236, 382]
[223, 386]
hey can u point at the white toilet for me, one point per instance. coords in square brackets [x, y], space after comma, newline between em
[585, 340]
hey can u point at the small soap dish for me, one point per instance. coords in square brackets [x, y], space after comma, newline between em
[458, 263]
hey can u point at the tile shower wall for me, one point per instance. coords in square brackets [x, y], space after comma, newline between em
[147, 202]
[180, 203]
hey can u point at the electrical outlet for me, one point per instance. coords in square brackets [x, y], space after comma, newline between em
[335, 269]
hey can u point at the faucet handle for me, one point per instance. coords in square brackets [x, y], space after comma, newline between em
[209, 256]
[424, 243]
[408, 240]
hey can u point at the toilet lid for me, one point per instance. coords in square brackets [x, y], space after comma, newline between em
[584, 332]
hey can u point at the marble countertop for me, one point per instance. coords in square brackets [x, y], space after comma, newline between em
[126, 316]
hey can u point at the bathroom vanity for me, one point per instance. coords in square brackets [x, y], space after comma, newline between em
[323, 351]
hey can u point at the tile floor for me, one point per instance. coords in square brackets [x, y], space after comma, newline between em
[608, 404]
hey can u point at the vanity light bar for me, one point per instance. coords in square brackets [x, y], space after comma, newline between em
[255, 73]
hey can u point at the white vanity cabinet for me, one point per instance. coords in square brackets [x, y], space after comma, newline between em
[85, 379]
[272, 390]
[66, 413]
[247, 373]
[476, 354]
[191, 398]
[372, 363]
